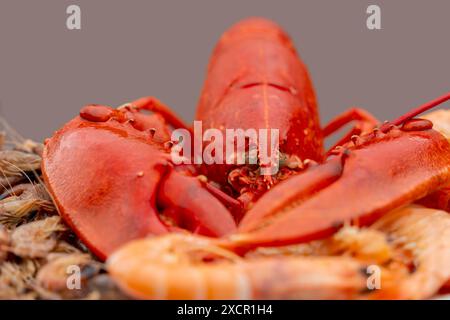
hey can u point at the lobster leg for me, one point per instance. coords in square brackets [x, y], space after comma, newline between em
[235, 206]
[420, 109]
[386, 171]
[365, 122]
[155, 105]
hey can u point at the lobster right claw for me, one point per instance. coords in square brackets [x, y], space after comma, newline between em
[383, 172]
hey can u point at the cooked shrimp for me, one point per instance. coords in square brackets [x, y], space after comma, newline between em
[421, 238]
[168, 267]
[180, 266]
[15, 163]
[36, 239]
[365, 244]
[441, 121]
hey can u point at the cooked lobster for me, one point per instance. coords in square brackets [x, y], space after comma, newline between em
[113, 180]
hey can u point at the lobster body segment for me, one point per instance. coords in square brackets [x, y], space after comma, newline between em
[255, 80]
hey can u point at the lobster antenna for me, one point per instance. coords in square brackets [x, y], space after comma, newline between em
[420, 109]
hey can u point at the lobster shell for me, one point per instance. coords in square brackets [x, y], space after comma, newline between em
[255, 80]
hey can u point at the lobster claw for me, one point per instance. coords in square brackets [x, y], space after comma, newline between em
[384, 171]
[190, 205]
[102, 181]
[104, 175]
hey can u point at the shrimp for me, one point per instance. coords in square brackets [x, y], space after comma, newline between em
[421, 238]
[182, 266]
[168, 267]
[441, 121]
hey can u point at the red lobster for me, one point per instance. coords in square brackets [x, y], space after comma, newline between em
[111, 176]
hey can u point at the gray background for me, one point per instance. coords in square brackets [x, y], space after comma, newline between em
[128, 49]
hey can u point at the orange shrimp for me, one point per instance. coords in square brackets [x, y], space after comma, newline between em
[166, 268]
[422, 237]
[176, 266]
[441, 121]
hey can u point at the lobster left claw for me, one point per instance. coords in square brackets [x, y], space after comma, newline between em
[106, 170]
